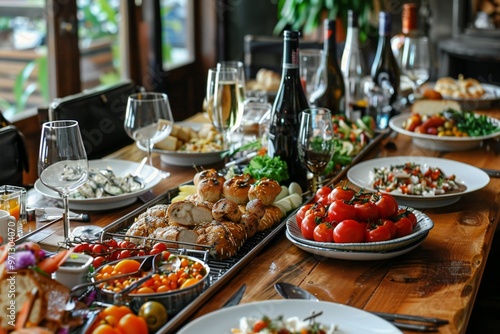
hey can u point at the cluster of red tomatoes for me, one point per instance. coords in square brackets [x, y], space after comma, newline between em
[111, 250]
[343, 215]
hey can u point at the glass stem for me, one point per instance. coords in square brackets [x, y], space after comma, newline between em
[150, 155]
[66, 222]
[314, 183]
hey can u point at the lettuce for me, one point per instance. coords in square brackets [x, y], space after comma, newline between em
[265, 166]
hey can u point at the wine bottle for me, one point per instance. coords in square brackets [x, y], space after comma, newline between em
[353, 69]
[385, 71]
[409, 29]
[334, 96]
[285, 115]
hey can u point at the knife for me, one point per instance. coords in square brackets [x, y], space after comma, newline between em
[48, 214]
[235, 299]
[491, 172]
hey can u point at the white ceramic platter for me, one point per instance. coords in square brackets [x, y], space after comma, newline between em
[355, 255]
[436, 143]
[179, 158]
[487, 101]
[121, 168]
[424, 225]
[471, 177]
[349, 320]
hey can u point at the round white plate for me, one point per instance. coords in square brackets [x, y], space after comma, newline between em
[471, 177]
[150, 174]
[424, 225]
[349, 320]
[179, 158]
[436, 143]
[355, 255]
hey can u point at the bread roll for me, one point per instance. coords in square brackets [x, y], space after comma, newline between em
[271, 217]
[180, 234]
[250, 223]
[207, 173]
[431, 107]
[237, 187]
[209, 189]
[256, 207]
[265, 189]
[224, 238]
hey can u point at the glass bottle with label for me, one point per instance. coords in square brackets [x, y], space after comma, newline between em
[353, 70]
[409, 28]
[385, 71]
[334, 96]
[285, 116]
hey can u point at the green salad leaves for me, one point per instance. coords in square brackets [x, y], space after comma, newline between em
[265, 166]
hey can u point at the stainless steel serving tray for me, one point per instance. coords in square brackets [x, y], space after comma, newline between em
[221, 271]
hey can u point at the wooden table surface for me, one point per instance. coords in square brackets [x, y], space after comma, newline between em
[440, 278]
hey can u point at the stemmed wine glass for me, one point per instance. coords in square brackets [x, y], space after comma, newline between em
[148, 119]
[227, 107]
[416, 60]
[313, 73]
[240, 68]
[209, 94]
[62, 162]
[315, 142]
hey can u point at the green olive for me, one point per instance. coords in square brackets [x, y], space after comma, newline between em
[154, 313]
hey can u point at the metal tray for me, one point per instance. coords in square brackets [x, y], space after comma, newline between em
[221, 271]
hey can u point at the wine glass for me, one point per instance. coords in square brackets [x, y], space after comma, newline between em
[62, 162]
[416, 60]
[148, 119]
[315, 141]
[227, 107]
[240, 68]
[209, 94]
[313, 73]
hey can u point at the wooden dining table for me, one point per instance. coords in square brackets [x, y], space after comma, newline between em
[440, 278]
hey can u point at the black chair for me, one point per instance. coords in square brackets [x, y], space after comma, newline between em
[267, 52]
[100, 113]
[14, 156]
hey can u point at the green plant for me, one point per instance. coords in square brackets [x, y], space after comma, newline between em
[307, 15]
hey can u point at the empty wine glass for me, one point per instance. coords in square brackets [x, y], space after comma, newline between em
[416, 60]
[62, 162]
[313, 73]
[316, 141]
[148, 119]
[227, 107]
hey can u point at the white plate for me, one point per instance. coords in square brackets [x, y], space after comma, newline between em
[487, 101]
[355, 255]
[424, 225]
[436, 143]
[471, 177]
[349, 320]
[178, 158]
[121, 168]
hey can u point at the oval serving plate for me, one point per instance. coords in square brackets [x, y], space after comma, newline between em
[436, 143]
[121, 168]
[181, 158]
[424, 225]
[471, 177]
[487, 101]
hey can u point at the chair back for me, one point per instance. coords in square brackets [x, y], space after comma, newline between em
[14, 156]
[100, 113]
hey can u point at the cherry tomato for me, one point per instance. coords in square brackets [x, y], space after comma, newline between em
[323, 232]
[98, 261]
[302, 212]
[365, 210]
[339, 210]
[99, 249]
[376, 232]
[349, 230]
[111, 243]
[82, 248]
[259, 325]
[124, 254]
[154, 251]
[411, 216]
[160, 246]
[323, 191]
[389, 224]
[309, 224]
[340, 192]
[318, 210]
[386, 204]
[403, 227]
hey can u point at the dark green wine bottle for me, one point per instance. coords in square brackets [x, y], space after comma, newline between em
[285, 116]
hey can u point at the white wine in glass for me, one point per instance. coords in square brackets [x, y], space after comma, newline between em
[416, 62]
[148, 119]
[227, 108]
[62, 162]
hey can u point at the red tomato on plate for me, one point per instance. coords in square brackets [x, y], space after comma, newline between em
[348, 231]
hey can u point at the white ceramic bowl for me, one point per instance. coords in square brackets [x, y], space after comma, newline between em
[74, 270]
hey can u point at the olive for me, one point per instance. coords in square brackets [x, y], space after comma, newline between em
[154, 313]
